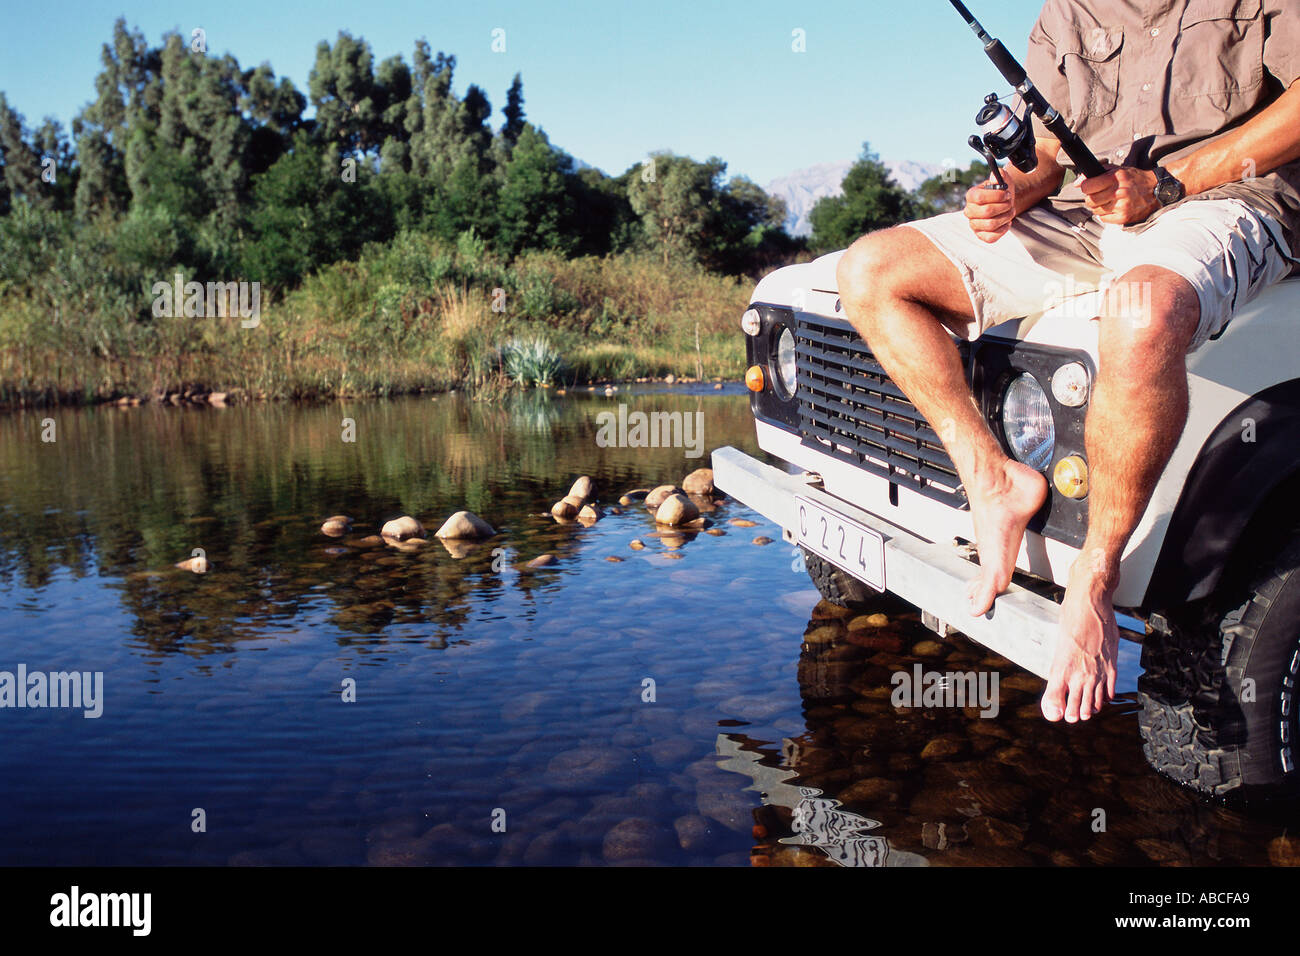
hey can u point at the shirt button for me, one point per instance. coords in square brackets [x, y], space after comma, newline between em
[1146, 87]
[1136, 137]
[1155, 32]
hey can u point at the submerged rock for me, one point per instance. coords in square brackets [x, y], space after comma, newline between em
[541, 561]
[636, 494]
[465, 525]
[636, 544]
[199, 565]
[402, 528]
[743, 523]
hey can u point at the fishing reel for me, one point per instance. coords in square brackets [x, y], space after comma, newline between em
[1004, 135]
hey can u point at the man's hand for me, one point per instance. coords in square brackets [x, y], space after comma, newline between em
[1121, 196]
[991, 211]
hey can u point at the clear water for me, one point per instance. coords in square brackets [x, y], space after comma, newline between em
[502, 714]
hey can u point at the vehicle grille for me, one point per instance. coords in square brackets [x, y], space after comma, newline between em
[849, 408]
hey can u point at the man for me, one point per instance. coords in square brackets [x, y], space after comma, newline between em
[1194, 106]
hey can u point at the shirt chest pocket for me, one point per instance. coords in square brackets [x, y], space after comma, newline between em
[1090, 57]
[1219, 52]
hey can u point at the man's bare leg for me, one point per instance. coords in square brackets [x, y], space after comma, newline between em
[1135, 418]
[902, 295]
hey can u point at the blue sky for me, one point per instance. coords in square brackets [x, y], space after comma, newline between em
[609, 82]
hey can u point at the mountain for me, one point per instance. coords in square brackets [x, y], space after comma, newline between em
[802, 188]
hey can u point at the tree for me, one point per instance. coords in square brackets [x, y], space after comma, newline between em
[533, 201]
[20, 166]
[947, 191]
[514, 111]
[871, 200]
[675, 196]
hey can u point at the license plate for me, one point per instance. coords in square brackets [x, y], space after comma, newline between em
[856, 549]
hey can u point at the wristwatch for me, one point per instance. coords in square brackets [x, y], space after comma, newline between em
[1168, 189]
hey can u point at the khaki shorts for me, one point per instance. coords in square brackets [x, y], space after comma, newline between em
[1228, 251]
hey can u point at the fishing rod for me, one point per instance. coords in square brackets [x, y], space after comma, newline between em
[1008, 136]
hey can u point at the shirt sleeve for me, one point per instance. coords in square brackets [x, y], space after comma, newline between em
[1043, 66]
[1282, 40]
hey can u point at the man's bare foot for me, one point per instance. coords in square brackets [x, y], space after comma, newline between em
[1082, 677]
[1000, 511]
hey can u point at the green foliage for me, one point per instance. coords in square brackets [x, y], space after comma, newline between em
[947, 191]
[531, 361]
[871, 201]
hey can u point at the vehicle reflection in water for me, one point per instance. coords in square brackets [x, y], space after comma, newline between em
[868, 783]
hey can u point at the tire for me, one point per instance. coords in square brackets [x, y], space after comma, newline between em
[1201, 724]
[838, 587]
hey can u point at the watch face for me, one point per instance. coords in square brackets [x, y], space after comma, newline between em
[1168, 190]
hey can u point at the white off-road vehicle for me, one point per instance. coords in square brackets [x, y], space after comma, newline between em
[1210, 582]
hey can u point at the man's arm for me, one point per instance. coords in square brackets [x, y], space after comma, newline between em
[991, 211]
[1268, 140]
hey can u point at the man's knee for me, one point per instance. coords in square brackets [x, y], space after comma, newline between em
[871, 265]
[1148, 320]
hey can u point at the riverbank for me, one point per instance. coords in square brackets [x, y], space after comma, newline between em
[414, 315]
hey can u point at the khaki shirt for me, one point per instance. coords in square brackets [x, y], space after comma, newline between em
[1149, 81]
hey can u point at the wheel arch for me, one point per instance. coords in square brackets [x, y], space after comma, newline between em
[1229, 495]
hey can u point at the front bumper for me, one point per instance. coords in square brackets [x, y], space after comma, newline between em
[1021, 626]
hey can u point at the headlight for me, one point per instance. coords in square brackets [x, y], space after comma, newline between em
[785, 363]
[751, 322]
[1027, 422]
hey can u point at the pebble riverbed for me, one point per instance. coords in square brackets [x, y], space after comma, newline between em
[691, 702]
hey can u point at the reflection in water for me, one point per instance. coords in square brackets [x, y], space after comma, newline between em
[484, 685]
[868, 783]
[817, 822]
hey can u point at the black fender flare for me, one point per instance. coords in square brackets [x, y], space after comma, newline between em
[1229, 482]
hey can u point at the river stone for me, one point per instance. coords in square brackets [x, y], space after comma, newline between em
[699, 482]
[743, 523]
[402, 528]
[636, 544]
[633, 496]
[549, 849]
[369, 541]
[541, 561]
[465, 524]
[196, 564]
[583, 488]
[927, 649]
[661, 494]
[990, 831]
[676, 510]
[636, 838]
[762, 539]
[871, 790]
[1284, 851]
[694, 833]
[564, 509]
[1026, 682]
[336, 526]
[589, 513]
[865, 622]
[410, 852]
[586, 765]
[614, 559]
[726, 805]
